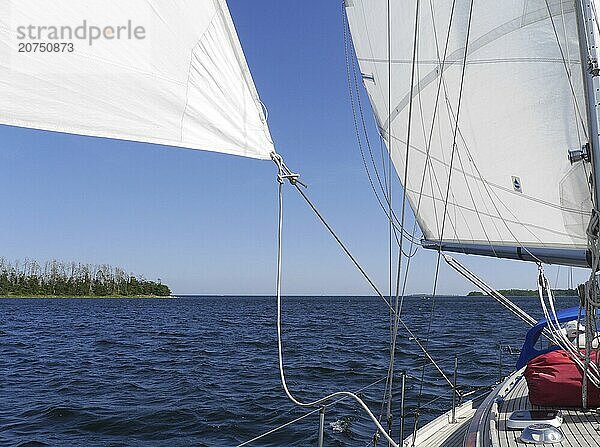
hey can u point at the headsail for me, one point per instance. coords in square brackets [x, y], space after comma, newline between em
[522, 109]
[154, 71]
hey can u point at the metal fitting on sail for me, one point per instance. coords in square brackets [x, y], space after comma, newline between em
[576, 155]
[283, 172]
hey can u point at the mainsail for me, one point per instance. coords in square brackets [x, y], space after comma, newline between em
[155, 71]
[499, 182]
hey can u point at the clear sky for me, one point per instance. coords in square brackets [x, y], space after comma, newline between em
[206, 223]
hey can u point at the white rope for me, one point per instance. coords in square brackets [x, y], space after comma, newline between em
[294, 181]
[590, 369]
[304, 416]
[283, 174]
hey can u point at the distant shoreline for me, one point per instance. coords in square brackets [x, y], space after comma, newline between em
[527, 293]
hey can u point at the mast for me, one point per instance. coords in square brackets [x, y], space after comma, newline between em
[591, 82]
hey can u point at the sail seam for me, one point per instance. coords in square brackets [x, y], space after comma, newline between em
[189, 76]
[495, 185]
[498, 217]
[481, 42]
[187, 91]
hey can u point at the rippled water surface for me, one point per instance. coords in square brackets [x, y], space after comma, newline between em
[202, 371]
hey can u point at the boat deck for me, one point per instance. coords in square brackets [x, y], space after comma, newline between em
[580, 428]
[441, 432]
[485, 424]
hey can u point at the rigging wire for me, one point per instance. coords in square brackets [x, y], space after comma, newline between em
[460, 160]
[437, 269]
[390, 182]
[427, 166]
[293, 178]
[354, 89]
[489, 183]
[428, 158]
[427, 162]
[516, 310]
[477, 212]
[351, 67]
[480, 177]
[356, 104]
[390, 214]
[359, 102]
[442, 63]
[469, 154]
[403, 211]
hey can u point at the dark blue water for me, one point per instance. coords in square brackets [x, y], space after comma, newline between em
[202, 371]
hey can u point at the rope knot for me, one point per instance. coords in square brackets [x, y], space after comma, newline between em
[283, 172]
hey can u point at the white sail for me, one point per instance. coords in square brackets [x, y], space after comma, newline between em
[157, 71]
[522, 109]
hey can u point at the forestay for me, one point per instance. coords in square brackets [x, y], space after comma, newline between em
[156, 71]
[522, 109]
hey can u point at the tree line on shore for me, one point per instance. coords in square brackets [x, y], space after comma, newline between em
[525, 292]
[57, 278]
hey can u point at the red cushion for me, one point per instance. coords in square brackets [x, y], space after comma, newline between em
[554, 380]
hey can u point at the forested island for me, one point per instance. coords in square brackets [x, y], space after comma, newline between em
[523, 292]
[30, 278]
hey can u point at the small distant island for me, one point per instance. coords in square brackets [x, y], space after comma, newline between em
[30, 278]
[524, 292]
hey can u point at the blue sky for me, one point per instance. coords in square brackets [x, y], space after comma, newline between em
[206, 223]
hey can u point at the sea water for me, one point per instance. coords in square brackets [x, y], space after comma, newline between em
[202, 371]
